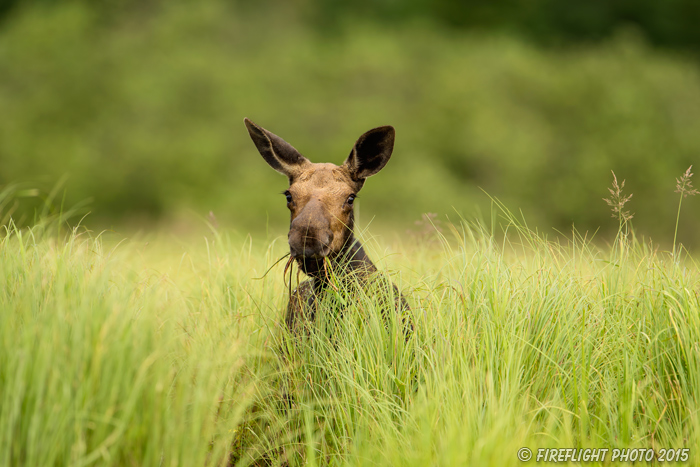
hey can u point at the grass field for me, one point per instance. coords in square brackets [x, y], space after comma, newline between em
[162, 351]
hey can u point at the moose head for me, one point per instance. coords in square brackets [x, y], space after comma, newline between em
[321, 196]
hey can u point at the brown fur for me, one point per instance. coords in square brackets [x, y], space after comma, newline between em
[320, 200]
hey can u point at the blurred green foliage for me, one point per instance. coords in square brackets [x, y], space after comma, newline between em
[670, 23]
[142, 110]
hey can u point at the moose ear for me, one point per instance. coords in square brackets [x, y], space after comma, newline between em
[277, 152]
[371, 152]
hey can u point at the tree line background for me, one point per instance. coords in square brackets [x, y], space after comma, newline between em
[136, 107]
[668, 23]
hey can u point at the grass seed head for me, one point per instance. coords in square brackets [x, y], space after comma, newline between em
[684, 185]
[617, 200]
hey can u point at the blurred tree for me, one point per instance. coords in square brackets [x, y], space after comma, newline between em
[142, 107]
[667, 23]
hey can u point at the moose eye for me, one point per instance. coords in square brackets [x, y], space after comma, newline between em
[289, 196]
[351, 199]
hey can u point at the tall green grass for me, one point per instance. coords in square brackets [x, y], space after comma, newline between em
[167, 352]
[106, 363]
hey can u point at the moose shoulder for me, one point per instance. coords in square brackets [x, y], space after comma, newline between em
[320, 199]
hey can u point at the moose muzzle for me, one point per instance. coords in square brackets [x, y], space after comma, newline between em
[310, 235]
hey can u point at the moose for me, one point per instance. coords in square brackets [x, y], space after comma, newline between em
[320, 199]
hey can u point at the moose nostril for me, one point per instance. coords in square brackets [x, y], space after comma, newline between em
[327, 239]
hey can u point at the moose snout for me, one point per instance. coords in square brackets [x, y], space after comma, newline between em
[309, 242]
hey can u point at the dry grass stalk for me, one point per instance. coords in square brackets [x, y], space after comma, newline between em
[617, 201]
[684, 185]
